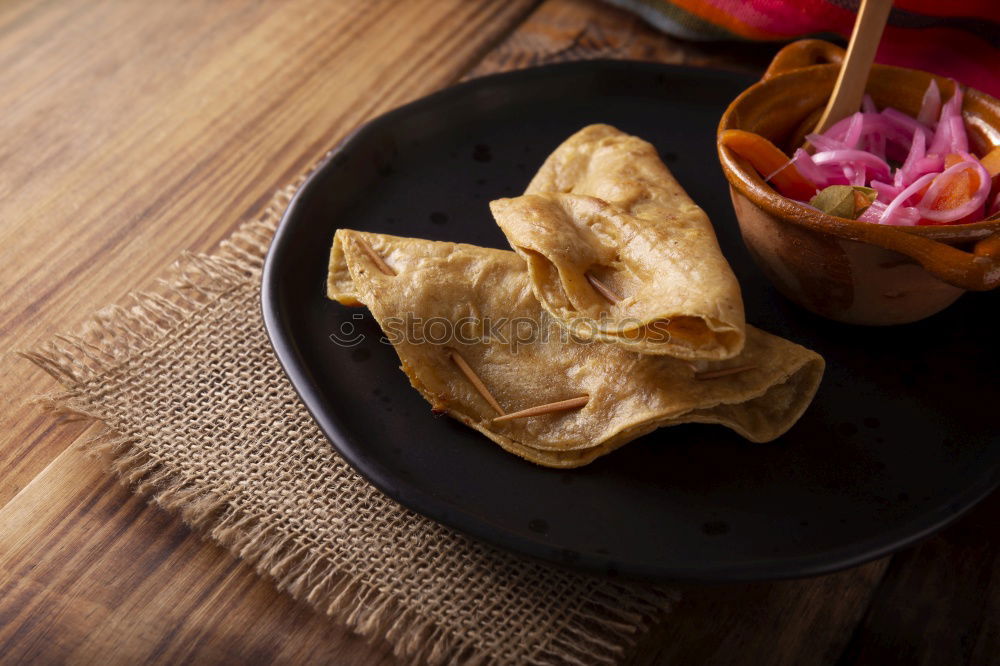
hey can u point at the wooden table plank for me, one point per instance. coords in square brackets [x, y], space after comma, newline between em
[785, 623]
[940, 602]
[133, 131]
[99, 576]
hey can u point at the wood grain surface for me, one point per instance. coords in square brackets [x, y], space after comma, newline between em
[130, 131]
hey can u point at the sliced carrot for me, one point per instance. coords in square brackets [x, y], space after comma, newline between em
[767, 159]
[957, 190]
[860, 202]
[991, 161]
[951, 159]
[955, 193]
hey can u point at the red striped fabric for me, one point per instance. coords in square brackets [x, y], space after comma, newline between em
[958, 38]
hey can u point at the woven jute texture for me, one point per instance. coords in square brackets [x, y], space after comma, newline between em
[200, 418]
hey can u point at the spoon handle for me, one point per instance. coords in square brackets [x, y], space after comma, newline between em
[850, 86]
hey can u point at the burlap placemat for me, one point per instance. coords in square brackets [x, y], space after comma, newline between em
[200, 418]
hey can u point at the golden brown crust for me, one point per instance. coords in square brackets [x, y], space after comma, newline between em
[339, 285]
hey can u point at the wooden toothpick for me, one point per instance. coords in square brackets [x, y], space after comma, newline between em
[475, 381]
[723, 372]
[561, 406]
[374, 256]
[603, 289]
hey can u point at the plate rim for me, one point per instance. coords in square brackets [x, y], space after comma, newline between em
[414, 498]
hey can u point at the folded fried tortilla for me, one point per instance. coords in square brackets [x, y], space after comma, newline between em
[604, 205]
[531, 359]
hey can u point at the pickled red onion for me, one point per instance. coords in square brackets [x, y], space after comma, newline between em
[853, 159]
[901, 199]
[857, 151]
[930, 106]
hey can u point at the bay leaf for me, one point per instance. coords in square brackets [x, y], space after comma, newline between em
[844, 200]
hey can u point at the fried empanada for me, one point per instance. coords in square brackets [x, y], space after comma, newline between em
[484, 299]
[616, 249]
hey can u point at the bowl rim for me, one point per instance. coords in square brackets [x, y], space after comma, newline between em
[744, 179]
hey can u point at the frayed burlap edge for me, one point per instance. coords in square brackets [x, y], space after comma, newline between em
[601, 631]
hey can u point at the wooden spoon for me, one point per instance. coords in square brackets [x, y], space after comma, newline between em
[850, 86]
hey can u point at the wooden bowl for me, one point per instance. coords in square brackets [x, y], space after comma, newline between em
[851, 271]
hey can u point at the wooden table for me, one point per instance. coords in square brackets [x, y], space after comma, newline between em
[134, 130]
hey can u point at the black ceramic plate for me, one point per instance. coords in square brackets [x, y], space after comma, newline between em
[902, 436]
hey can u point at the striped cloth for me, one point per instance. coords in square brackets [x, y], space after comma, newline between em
[958, 38]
